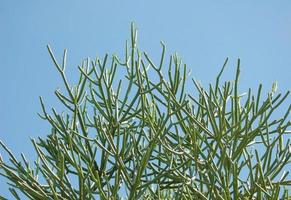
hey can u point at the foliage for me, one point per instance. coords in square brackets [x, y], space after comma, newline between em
[145, 136]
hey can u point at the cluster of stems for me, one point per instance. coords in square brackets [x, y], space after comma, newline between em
[135, 129]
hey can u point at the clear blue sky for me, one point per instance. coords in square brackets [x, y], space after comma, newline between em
[204, 33]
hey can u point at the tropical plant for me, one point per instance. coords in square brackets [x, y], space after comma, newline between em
[136, 129]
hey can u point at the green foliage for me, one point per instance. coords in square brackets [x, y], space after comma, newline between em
[147, 136]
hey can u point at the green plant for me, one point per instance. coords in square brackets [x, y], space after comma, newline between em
[146, 137]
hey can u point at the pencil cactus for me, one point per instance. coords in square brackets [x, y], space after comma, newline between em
[144, 134]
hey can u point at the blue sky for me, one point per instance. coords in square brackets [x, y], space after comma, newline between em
[203, 33]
